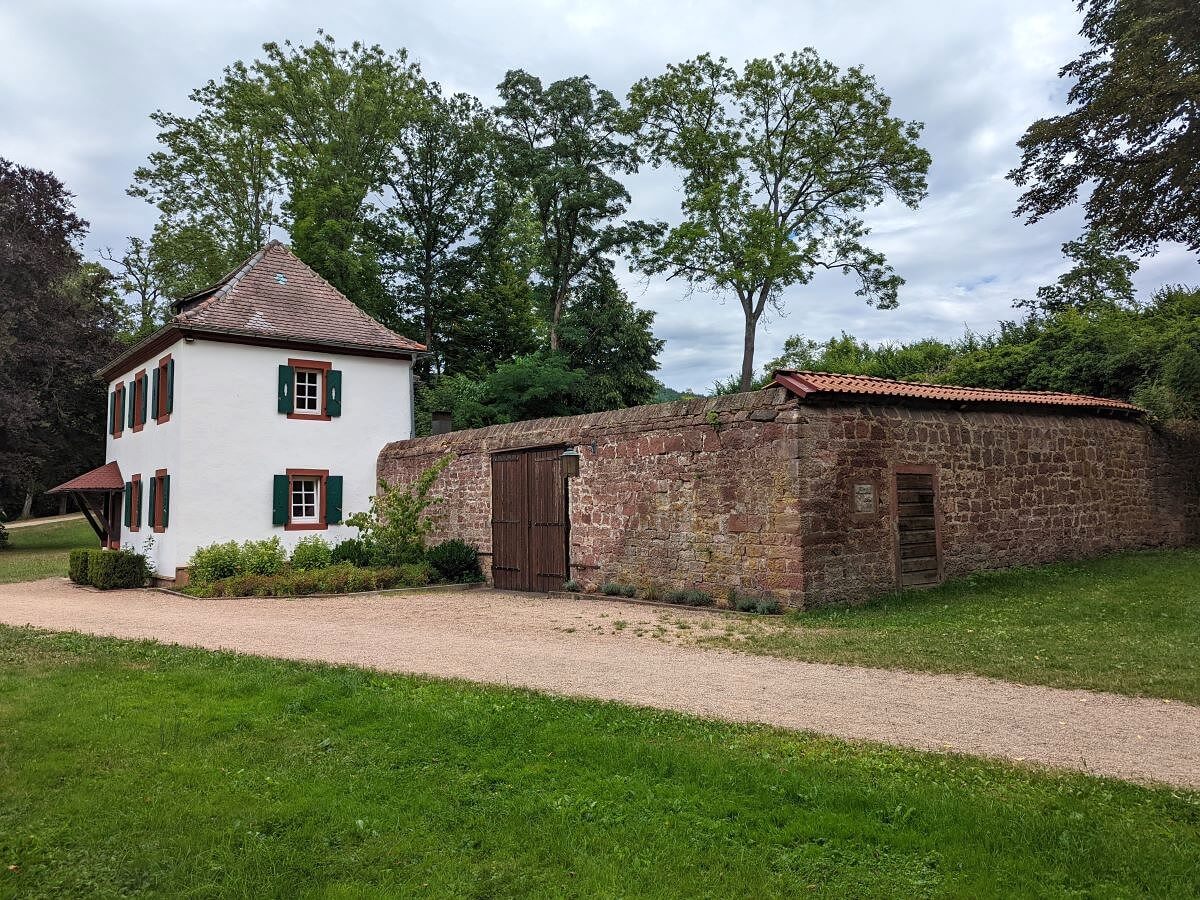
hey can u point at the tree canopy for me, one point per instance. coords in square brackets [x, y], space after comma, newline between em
[1132, 137]
[778, 161]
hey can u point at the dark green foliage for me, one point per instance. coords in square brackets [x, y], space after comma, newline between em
[112, 569]
[311, 553]
[455, 562]
[77, 566]
[351, 551]
[614, 589]
[1129, 142]
[763, 604]
[3, 537]
[572, 585]
[690, 597]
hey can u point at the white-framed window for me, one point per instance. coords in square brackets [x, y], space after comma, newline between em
[306, 499]
[308, 392]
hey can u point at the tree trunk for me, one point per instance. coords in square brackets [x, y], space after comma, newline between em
[27, 506]
[555, 315]
[748, 352]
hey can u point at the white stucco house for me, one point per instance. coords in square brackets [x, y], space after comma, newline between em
[257, 410]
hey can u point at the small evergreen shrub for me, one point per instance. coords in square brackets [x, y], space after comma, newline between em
[690, 597]
[572, 586]
[312, 553]
[214, 562]
[111, 569]
[342, 578]
[610, 589]
[77, 566]
[764, 604]
[767, 606]
[653, 593]
[352, 551]
[455, 562]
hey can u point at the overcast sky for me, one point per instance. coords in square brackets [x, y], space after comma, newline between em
[79, 79]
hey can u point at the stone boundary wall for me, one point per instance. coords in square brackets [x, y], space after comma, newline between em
[695, 493]
[1014, 488]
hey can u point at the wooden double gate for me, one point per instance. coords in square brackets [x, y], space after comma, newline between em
[529, 520]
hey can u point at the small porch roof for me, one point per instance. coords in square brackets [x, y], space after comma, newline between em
[100, 480]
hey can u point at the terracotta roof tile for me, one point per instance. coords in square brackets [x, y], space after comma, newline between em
[106, 478]
[274, 294]
[827, 384]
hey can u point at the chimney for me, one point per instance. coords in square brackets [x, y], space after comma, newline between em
[442, 423]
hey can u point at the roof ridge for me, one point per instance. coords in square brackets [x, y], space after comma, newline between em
[955, 387]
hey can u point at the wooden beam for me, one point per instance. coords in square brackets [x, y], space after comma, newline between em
[89, 514]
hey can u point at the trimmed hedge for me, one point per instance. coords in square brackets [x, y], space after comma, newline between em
[113, 569]
[339, 579]
[77, 566]
[456, 562]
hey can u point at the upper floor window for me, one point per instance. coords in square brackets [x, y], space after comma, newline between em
[116, 410]
[310, 389]
[137, 406]
[164, 390]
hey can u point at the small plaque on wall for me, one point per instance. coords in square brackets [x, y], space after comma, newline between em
[864, 499]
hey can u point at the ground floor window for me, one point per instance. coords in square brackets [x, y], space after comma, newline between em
[307, 499]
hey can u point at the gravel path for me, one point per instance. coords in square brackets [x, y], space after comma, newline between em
[616, 651]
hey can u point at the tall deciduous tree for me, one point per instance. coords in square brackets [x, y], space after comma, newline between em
[57, 325]
[442, 170]
[214, 182]
[139, 277]
[1133, 133]
[564, 143]
[1100, 277]
[335, 114]
[778, 163]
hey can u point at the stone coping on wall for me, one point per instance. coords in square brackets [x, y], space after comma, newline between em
[765, 406]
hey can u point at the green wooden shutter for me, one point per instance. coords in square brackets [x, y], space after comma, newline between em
[145, 380]
[155, 409]
[165, 500]
[129, 504]
[170, 403]
[131, 391]
[153, 501]
[112, 413]
[333, 499]
[279, 513]
[287, 380]
[333, 392]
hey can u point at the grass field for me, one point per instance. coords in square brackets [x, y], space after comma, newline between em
[1128, 623]
[131, 768]
[39, 551]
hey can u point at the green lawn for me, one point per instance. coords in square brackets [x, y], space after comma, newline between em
[40, 551]
[132, 768]
[1128, 623]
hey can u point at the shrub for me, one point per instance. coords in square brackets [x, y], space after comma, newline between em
[263, 557]
[610, 589]
[653, 593]
[572, 586]
[351, 551]
[77, 566]
[455, 561]
[214, 562]
[109, 569]
[690, 597]
[312, 553]
[394, 528]
[764, 604]
[767, 606]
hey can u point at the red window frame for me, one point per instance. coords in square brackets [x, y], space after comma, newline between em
[118, 403]
[160, 477]
[140, 382]
[135, 501]
[322, 523]
[161, 375]
[312, 365]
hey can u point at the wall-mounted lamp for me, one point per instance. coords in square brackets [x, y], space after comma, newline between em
[570, 461]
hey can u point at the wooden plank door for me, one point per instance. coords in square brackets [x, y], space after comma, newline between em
[510, 520]
[529, 520]
[548, 520]
[918, 547]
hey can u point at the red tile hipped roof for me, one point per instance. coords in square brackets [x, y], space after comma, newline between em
[106, 478]
[827, 385]
[276, 295]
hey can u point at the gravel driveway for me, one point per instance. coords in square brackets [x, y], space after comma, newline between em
[616, 651]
